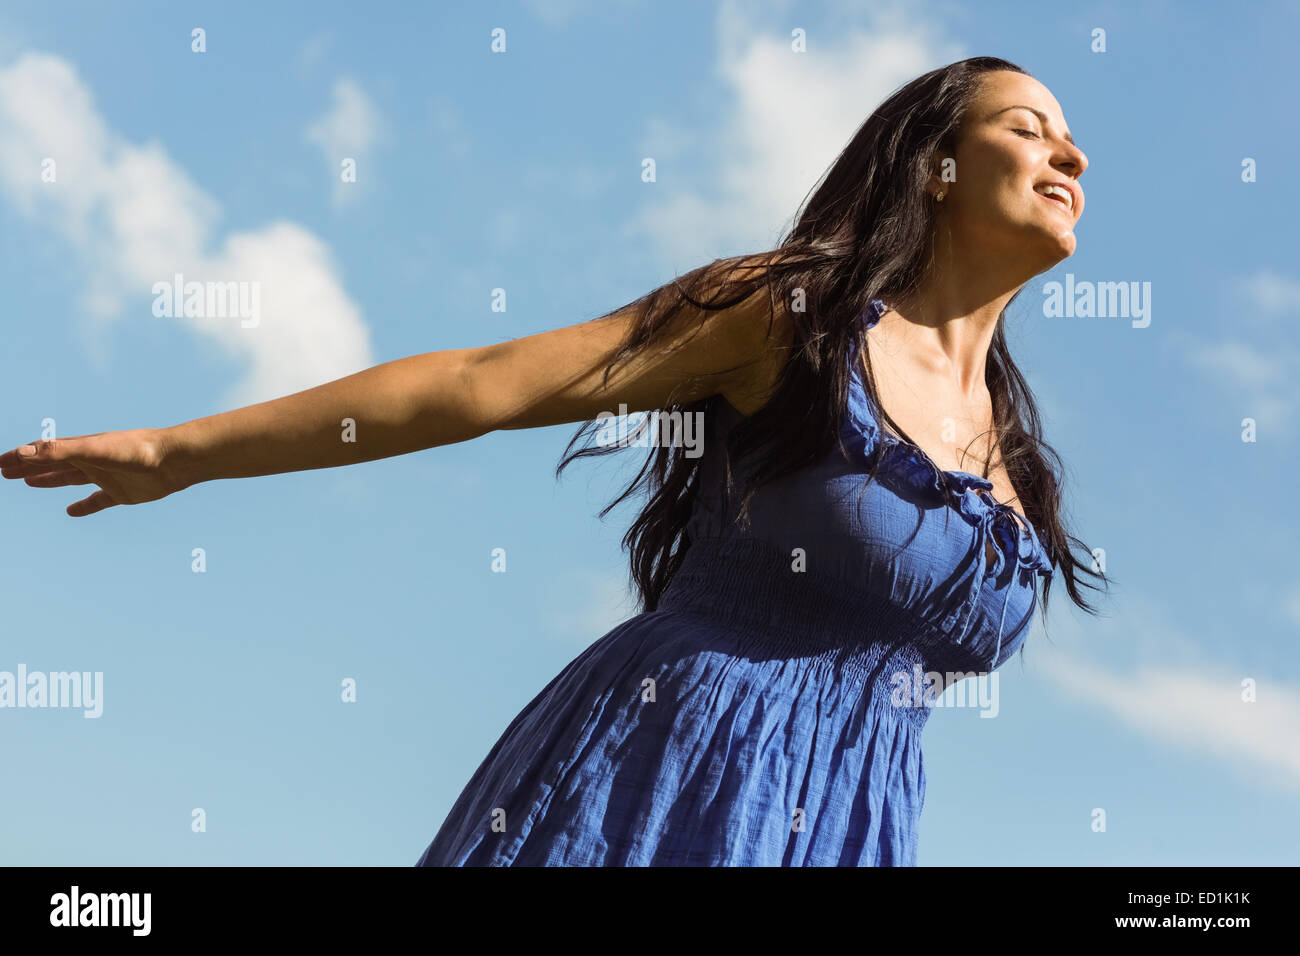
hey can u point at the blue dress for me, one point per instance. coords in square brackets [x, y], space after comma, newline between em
[769, 711]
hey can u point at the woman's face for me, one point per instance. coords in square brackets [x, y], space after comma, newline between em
[1014, 143]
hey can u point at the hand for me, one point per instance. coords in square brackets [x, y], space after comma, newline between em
[128, 466]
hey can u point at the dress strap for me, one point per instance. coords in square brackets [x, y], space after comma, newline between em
[875, 309]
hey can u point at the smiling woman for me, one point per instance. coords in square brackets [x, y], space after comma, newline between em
[873, 515]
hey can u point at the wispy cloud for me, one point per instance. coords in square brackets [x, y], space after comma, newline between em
[789, 115]
[348, 131]
[135, 218]
[1171, 690]
[1270, 292]
[312, 52]
[1240, 364]
[1291, 605]
[1257, 366]
[449, 127]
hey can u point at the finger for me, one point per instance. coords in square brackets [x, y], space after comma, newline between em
[16, 456]
[42, 451]
[49, 451]
[36, 468]
[88, 506]
[57, 479]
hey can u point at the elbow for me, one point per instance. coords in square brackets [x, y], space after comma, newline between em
[478, 395]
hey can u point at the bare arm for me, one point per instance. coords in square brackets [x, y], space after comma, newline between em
[423, 401]
[358, 418]
[440, 398]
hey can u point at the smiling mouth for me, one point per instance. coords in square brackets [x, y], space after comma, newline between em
[1054, 195]
[1060, 204]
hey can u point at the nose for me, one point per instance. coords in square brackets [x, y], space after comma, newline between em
[1071, 160]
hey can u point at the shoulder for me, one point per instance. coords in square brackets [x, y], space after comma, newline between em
[756, 332]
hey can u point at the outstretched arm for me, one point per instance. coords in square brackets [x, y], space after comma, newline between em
[421, 401]
[440, 398]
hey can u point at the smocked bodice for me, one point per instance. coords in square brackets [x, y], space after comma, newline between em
[906, 554]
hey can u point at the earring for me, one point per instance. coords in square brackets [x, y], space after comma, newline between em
[939, 196]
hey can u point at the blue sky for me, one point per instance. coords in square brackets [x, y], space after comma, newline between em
[521, 170]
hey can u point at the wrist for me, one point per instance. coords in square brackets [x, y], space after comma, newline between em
[179, 456]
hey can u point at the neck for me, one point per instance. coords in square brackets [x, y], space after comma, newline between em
[949, 322]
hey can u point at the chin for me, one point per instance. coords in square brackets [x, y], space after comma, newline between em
[1059, 243]
[1048, 251]
[1064, 245]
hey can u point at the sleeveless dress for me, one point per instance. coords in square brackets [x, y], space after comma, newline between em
[769, 711]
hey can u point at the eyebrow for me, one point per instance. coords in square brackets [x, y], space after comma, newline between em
[1042, 118]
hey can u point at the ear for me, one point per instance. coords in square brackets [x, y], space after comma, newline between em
[943, 173]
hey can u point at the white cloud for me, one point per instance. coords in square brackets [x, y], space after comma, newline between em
[308, 323]
[1260, 372]
[791, 114]
[1176, 691]
[1198, 709]
[1240, 363]
[348, 130]
[1291, 606]
[136, 218]
[1270, 292]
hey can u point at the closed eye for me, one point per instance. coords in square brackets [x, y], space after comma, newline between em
[1027, 132]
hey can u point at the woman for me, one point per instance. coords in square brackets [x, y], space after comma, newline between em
[804, 578]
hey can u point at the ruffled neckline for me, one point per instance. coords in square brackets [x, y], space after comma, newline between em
[968, 494]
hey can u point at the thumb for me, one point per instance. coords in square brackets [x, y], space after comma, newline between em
[59, 451]
[43, 450]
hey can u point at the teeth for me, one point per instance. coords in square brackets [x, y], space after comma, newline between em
[1053, 190]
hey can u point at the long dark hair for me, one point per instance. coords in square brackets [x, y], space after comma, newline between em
[864, 234]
